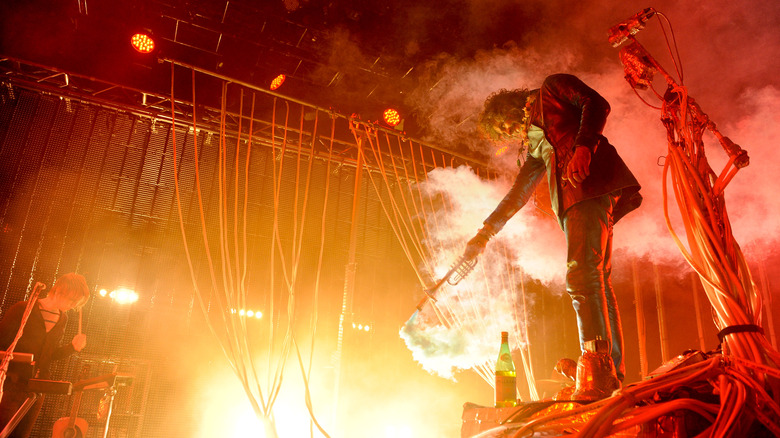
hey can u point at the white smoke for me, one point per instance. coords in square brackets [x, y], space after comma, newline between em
[743, 98]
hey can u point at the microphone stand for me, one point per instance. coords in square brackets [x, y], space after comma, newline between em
[640, 67]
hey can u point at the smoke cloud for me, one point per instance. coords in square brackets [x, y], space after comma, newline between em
[729, 71]
[742, 100]
[527, 247]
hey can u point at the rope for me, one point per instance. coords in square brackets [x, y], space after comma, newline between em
[229, 284]
[404, 209]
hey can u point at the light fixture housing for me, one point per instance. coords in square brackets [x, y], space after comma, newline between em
[142, 43]
[277, 82]
[392, 117]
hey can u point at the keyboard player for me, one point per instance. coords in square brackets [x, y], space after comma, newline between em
[42, 337]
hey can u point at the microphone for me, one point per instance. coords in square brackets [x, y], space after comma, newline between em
[620, 32]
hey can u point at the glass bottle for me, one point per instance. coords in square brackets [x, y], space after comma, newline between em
[506, 377]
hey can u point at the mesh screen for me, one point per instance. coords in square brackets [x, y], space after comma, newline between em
[90, 190]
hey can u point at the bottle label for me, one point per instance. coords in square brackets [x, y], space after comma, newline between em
[506, 391]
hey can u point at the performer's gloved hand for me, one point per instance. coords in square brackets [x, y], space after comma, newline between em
[477, 243]
[579, 166]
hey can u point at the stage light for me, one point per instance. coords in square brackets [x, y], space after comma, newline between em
[124, 295]
[142, 43]
[361, 327]
[277, 82]
[248, 313]
[103, 292]
[501, 151]
[392, 117]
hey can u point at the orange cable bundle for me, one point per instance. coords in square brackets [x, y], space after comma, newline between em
[745, 376]
[228, 280]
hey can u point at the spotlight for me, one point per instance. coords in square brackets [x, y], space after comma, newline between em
[392, 117]
[124, 295]
[247, 313]
[142, 43]
[277, 82]
[361, 327]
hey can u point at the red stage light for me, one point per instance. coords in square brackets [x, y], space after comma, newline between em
[142, 43]
[392, 117]
[277, 82]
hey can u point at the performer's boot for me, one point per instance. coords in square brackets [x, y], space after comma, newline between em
[566, 368]
[596, 375]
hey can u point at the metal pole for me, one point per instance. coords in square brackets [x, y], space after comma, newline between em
[253, 87]
[19, 415]
[349, 279]
[110, 393]
[661, 315]
[640, 320]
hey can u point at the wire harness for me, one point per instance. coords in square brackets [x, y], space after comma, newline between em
[735, 391]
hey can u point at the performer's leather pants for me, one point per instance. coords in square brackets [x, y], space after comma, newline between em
[588, 228]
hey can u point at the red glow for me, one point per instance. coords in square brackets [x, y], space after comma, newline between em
[392, 117]
[142, 43]
[277, 82]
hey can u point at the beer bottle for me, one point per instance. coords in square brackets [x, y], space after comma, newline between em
[506, 378]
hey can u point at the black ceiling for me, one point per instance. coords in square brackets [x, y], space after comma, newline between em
[349, 55]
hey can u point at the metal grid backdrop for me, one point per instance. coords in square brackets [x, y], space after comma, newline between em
[89, 189]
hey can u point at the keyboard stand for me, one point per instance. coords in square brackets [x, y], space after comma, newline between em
[31, 398]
